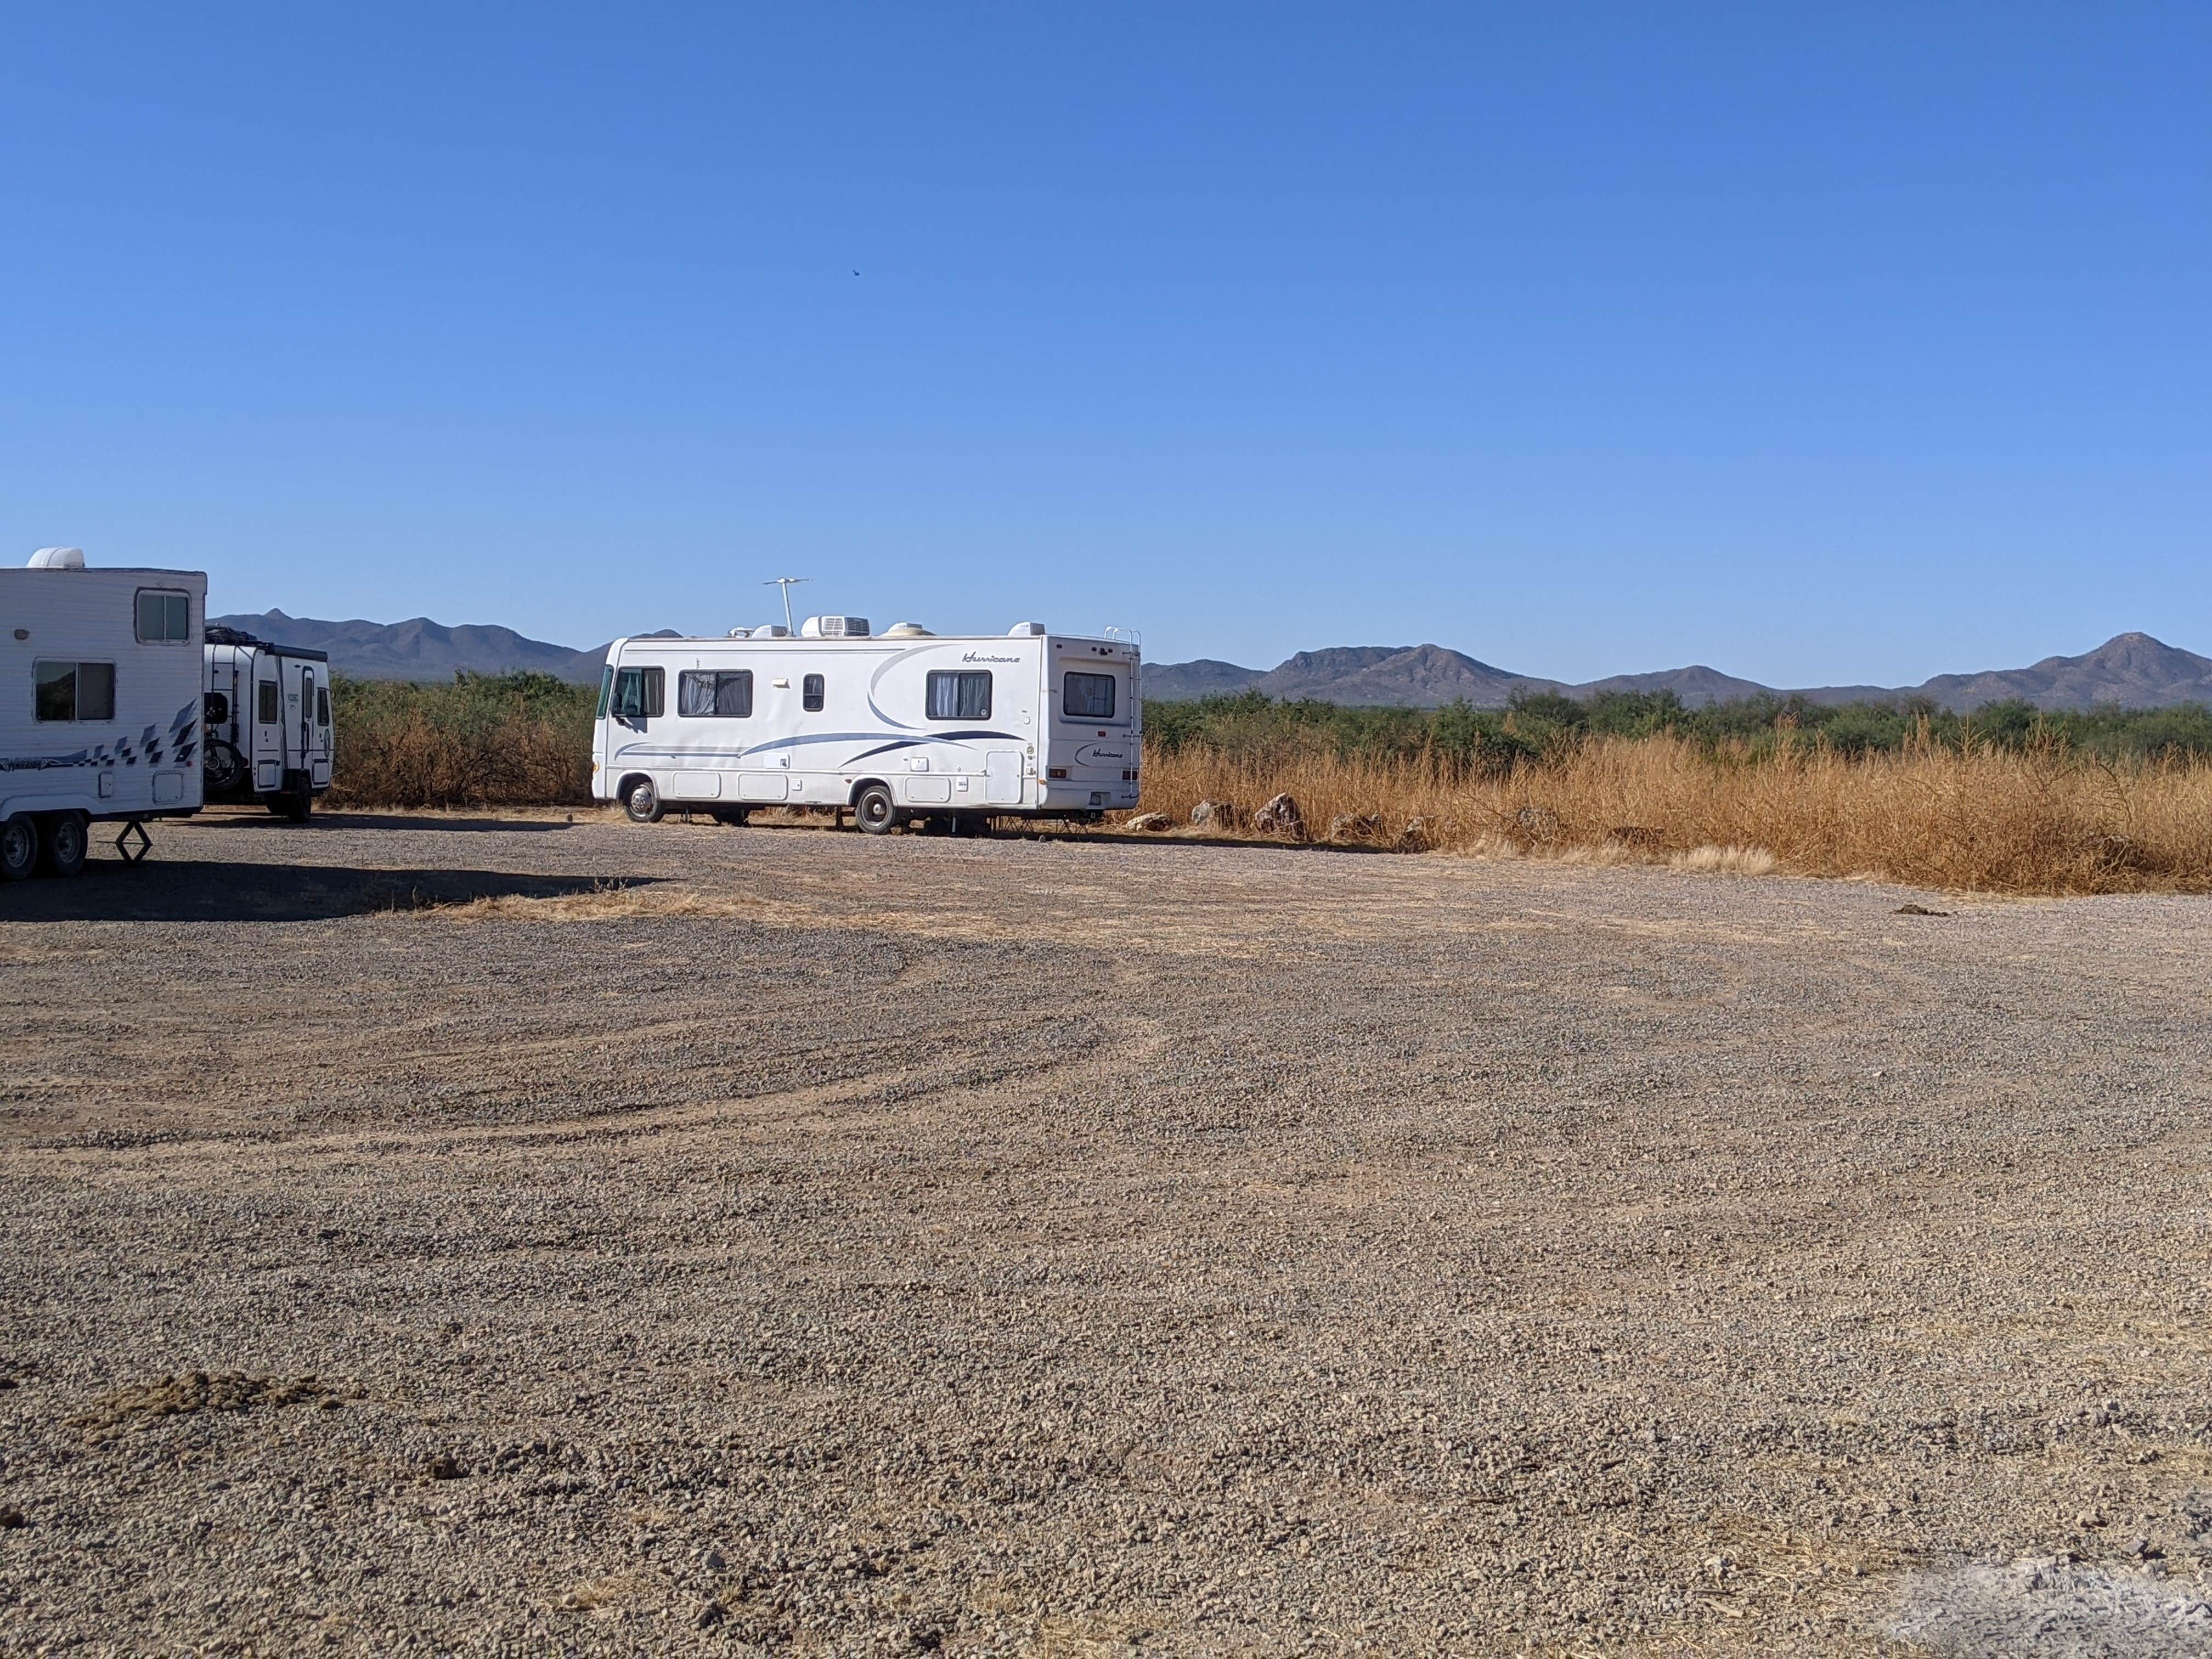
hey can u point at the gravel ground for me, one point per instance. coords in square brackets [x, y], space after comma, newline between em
[513, 1234]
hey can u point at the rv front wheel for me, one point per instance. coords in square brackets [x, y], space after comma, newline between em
[642, 802]
[18, 847]
[62, 843]
[875, 810]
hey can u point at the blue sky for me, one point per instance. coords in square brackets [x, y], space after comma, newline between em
[1586, 339]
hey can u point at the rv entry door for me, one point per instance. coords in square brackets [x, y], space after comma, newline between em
[1002, 778]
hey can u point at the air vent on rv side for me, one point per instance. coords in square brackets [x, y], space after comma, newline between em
[834, 627]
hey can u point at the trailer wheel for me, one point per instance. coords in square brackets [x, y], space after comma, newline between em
[642, 802]
[875, 810]
[224, 766]
[300, 805]
[62, 844]
[18, 847]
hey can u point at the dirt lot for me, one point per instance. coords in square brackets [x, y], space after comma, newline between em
[470, 1234]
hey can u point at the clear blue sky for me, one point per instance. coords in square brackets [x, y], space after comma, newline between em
[1582, 338]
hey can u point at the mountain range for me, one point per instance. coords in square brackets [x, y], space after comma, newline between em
[2131, 669]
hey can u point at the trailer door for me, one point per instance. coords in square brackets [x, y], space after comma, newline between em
[315, 754]
[267, 715]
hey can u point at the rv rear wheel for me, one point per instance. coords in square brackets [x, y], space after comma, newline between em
[875, 810]
[18, 847]
[642, 802]
[62, 842]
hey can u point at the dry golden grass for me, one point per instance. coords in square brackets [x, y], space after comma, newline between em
[2044, 820]
[410, 759]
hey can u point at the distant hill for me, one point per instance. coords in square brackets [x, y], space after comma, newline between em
[2132, 670]
[420, 649]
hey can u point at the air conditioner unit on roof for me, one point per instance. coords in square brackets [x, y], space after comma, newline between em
[834, 627]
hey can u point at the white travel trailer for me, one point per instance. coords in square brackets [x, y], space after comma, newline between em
[269, 731]
[100, 716]
[902, 724]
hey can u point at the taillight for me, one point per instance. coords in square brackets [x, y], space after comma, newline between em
[1055, 771]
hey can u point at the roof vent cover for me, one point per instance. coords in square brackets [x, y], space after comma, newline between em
[1025, 631]
[57, 558]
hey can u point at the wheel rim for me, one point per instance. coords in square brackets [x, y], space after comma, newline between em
[68, 841]
[17, 845]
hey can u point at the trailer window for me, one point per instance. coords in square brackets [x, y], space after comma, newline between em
[960, 695]
[322, 706]
[640, 694]
[165, 616]
[810, 693]
[266, 711]
[75, 690]
[723, 696]
[1088, 697]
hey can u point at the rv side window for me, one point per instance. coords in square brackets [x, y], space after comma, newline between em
[265, 710]
[322, 706]
[75, 690]
[810, 693]
[725, 695]
[640, 694]
[1088, 697]
[165, 616]
[606, 689]
[960, 695]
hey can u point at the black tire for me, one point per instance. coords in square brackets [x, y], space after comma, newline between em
[18, 847]
[225, 768]
[875, 810]
[300, 805]
[642, 802]
[735, 816]
[64, 840]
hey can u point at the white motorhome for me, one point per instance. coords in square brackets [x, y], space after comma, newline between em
[269, 731]
[100, 715]
[952, 729]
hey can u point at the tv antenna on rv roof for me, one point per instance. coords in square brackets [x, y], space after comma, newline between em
[787, 583]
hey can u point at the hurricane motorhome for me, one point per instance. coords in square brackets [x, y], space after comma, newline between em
[897, 726]
[100, 715]
[269, 733]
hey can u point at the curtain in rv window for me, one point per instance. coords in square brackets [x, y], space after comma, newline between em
[1088, 697]
[725, 695]
[639, 694]
[960, 695]
[75, 690]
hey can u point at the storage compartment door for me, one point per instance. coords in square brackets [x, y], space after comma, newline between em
[1002, 778]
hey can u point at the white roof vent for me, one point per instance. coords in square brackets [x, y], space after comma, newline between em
[741, 632]
[1025, 631]
[57, 558]
[834, 627]
[903, 630]
[771, 631]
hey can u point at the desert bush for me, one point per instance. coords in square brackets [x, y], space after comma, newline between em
[480, 740]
